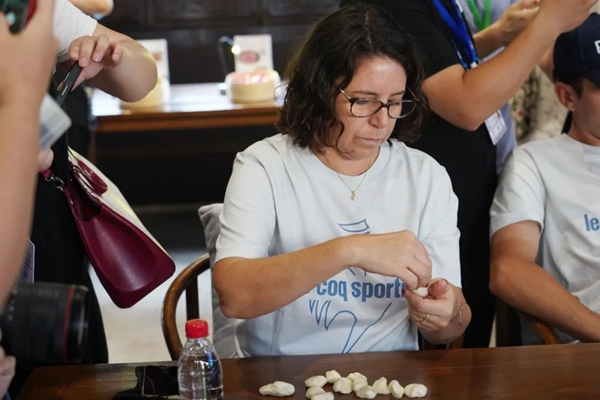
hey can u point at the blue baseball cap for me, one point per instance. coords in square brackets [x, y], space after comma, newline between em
[578, 51]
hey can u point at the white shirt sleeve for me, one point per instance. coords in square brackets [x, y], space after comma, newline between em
[248, 217]
[70, 24]
[439, 232]
[520, 195]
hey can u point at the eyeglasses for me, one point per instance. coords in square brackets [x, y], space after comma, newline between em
[363, 108]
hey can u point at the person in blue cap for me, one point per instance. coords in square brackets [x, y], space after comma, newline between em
[545, 218]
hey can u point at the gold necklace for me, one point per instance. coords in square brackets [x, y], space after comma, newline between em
[353, 196]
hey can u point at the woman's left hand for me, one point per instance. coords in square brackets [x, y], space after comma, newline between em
[94, 54]
[45, 158]
[438, 309]
[516, 18]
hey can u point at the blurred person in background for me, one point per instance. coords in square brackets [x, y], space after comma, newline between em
[26, 63]
[118, 65]
[506, 18]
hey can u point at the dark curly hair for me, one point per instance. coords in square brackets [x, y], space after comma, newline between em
[326, 61]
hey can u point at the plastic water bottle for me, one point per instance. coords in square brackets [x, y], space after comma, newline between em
[199, 373]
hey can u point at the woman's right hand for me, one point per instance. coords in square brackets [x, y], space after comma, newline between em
[399, 254]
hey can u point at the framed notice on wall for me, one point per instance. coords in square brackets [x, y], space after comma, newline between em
[253, 52]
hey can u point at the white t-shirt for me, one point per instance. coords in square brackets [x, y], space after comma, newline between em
[281, 198]
[70, 24]
[556, 183]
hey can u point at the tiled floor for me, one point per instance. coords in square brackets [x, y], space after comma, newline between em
[135, 334]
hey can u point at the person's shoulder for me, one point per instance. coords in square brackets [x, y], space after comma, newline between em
[271, 150]
[70, 24]
[541, 144]
[59, 6]
[536, 159]
[540, 149]
[417, 161]
[66, 13]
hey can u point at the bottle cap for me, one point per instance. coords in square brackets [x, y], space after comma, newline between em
[196, 329]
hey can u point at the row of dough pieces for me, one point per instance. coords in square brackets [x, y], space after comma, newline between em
[354, 382]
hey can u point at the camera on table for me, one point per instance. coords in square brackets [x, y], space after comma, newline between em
[45, 323]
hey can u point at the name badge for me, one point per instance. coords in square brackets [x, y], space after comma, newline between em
[28, 267]
[496, 127]
[54, 122]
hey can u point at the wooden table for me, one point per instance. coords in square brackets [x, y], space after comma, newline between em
[565, 372]
[189, 143]
[191, 106]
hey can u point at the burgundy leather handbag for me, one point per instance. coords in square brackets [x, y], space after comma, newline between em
[130, 263]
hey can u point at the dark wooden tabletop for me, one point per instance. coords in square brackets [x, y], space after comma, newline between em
[564, 372]
[191, 106]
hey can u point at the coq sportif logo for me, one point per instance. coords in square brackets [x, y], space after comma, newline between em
[332, 307]
[597, 42]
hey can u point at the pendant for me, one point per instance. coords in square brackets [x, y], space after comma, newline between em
[354, 196]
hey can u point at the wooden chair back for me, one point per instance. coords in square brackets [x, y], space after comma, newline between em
[186, 281]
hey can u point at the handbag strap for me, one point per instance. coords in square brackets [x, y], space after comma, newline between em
[53, 179]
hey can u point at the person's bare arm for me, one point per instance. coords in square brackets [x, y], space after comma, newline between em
[517, 280]
[114, 63]
[249, 288]
[133, 79]
[468, 98]
[101, 7]
[488, 40]
[19, 141]
[547, 63]
[26, 63]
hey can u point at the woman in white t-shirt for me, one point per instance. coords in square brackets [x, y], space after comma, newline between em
[325, 225]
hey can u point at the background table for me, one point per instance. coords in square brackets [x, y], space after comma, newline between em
[566, 372]
[191, 106]
[181, 152]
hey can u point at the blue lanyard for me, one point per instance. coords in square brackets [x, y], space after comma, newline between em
[460, 33]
